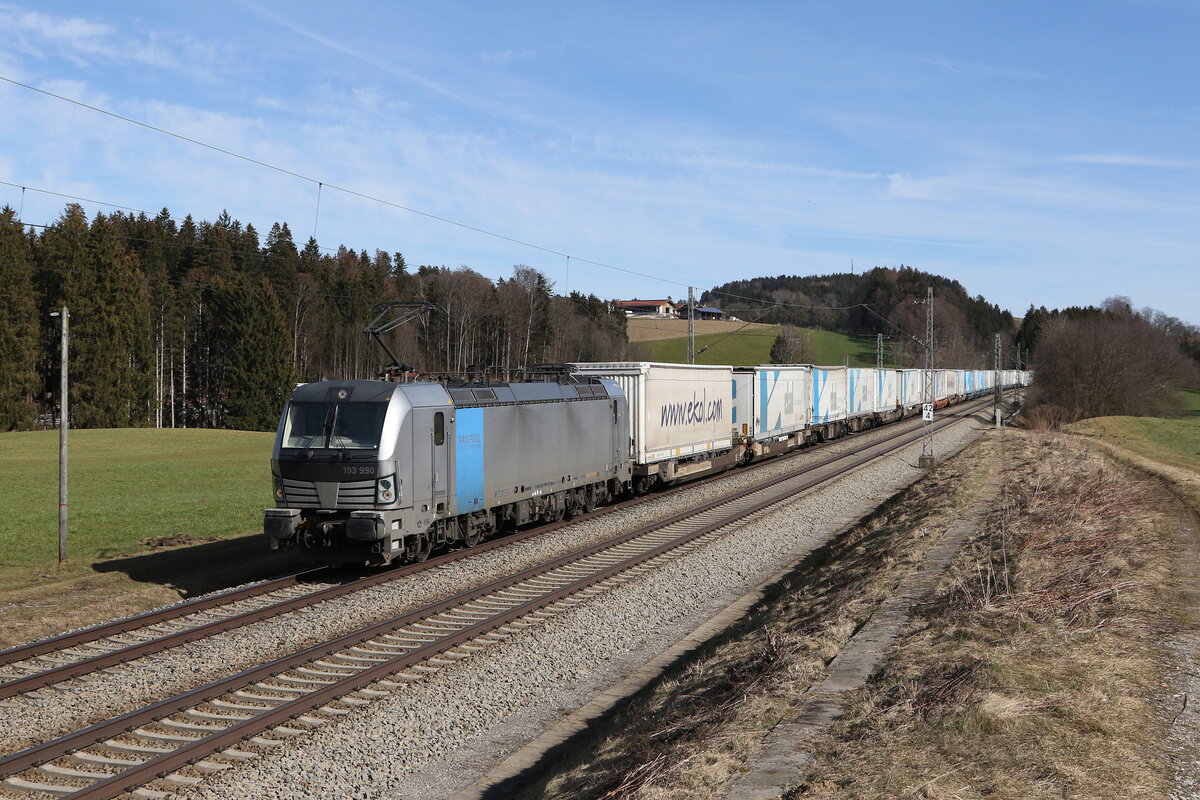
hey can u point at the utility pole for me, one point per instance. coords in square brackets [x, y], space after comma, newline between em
[927, 460]
[691, 325]
[996, 403]
[879, 351]
[63, 426]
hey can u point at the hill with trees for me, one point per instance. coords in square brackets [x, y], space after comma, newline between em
[881, 300]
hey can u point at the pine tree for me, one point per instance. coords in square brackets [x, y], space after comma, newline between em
[111, 341]
[18, 326]
[64, 275]
[258, 372]
[280, 260]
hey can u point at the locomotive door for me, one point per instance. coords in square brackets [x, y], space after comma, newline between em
[430, 469]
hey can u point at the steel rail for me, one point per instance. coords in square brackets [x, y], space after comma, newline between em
[120, 655]
[125, 624]
[167, 763]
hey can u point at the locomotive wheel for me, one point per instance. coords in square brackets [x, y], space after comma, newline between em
[471, 534]
[421, 547]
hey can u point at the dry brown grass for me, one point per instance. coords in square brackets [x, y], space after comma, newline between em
[650, 329]
[1034, 673]
[687, 735]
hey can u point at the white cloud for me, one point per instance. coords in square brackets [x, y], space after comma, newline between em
[909, 188]
[982, 70]
[505, 56]
[1128, 160]
[82, 41]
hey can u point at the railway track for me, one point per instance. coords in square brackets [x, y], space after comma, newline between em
[49, 661]
[175, 741]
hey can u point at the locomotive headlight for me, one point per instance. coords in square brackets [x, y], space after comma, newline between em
[385, 490]
[278, 488]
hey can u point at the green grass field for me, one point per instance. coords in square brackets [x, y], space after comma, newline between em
[832, 348]
[1190, 398]
[749, 347]
[126, 486]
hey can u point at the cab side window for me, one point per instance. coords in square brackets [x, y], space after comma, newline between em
[439, 428]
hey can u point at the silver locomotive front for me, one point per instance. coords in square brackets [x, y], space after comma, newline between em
[339, 462]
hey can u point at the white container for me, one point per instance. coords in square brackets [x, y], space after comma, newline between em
[948, 380]
[773, 400]
[830, 394]
[912, 387]
[861, 391]
[887, 390]
[675, 410]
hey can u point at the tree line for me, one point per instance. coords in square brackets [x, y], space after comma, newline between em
[204, 324]
[1108, 360]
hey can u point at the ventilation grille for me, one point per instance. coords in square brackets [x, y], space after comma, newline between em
[356, 494]
[300, 494]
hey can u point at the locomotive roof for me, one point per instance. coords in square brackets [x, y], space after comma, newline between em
[355, 392]
[435, 394]
[529, 392]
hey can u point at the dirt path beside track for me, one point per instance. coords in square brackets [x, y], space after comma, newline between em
[1057, 657]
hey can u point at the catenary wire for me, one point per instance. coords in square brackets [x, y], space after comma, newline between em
[362, 195]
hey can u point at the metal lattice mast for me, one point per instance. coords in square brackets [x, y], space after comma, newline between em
[879, 351]
[999, 363]
[927, 416]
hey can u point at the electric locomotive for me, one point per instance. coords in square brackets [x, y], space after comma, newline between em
[372, 472]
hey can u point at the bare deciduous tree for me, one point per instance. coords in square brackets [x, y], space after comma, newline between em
[1115, 363]
[792, 346]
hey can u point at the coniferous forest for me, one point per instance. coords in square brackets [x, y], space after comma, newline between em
[205, 324]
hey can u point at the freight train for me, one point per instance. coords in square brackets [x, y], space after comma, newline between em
[375, 472]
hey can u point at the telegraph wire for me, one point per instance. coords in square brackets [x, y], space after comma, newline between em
[362, 195]
[150, 215]
[74, 197]
[344, 190]
[331, 250]
[294, 174]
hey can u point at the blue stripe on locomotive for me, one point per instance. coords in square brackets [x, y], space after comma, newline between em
[468, 460]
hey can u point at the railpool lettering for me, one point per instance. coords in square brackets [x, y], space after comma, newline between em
[698, 411]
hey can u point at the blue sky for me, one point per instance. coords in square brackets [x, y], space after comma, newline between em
[1043, 153]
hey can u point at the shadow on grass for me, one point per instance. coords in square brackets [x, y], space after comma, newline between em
[207, 567]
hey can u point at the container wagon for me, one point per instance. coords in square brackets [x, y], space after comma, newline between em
[681, 418]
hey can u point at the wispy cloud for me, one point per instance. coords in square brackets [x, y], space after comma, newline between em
[83, 42]
[357, 53]
[505, 56]
[1129, 160]
[982, 70]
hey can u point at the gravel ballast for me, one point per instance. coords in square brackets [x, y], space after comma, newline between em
[69, 705]
[434, 737]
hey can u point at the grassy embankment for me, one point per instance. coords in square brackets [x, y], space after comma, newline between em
[1044, 666]
[1038, 671]
[1166, 447]
[1039, 668]
[132, 491]
[738, 344]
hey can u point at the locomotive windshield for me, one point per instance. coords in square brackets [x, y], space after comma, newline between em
[336, 426]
